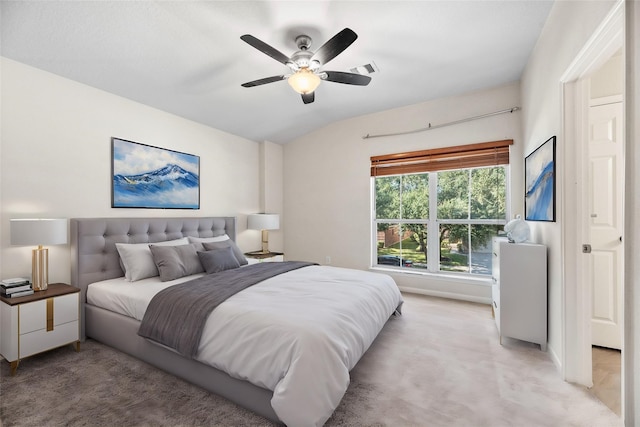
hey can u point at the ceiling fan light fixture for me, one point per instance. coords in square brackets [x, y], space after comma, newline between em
[304, 81]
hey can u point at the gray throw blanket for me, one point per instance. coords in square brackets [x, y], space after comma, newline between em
[176, 315]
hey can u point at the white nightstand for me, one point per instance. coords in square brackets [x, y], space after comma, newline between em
[39, 322]
[256, 257]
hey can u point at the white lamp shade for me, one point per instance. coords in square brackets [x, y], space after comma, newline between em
[29, 232]
[263, 222]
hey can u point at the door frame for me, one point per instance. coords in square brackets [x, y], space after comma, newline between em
[576, 360]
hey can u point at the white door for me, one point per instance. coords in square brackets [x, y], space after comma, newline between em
[605, 224]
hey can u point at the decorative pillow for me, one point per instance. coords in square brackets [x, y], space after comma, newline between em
[225, 244]
[137, 259]
[217, 260]
[174, 262]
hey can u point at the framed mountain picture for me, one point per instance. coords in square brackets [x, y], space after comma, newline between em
[143, 176]
[540, 183]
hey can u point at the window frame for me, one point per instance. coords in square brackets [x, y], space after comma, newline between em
[433, 224]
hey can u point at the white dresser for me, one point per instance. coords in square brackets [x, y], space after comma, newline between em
[519, 290]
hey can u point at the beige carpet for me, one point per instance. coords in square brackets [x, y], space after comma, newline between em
[440, 364]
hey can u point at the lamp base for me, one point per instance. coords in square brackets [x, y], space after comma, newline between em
[40, 268]
[265, 241]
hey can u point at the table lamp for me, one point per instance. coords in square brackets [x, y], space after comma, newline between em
[264, 222]
[29, 232]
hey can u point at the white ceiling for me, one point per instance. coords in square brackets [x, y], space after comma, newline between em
[186, 57]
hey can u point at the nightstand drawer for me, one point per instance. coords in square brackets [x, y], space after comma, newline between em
[42, 340]
[33, 315]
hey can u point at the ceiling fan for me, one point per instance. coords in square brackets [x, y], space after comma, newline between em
[305, 65]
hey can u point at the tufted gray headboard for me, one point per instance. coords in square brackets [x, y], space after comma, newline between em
[93, 241]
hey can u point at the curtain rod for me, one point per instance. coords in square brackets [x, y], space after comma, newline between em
[468, 119]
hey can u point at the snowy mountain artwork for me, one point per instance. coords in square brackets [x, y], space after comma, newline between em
[151, 177]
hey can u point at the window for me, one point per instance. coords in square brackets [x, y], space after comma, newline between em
[439, 220]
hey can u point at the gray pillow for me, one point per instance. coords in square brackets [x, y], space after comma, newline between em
[227, 244]
[217, 260]
[137, 260]
[174, 262]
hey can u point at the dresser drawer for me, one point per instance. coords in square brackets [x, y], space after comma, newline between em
[42, 340]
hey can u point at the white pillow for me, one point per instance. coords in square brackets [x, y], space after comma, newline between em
[208, 239]
[137, 259]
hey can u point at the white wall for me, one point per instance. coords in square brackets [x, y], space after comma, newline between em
[568, 27]
[609, 79]
[56, 159]
[327, 185]
[271, 197]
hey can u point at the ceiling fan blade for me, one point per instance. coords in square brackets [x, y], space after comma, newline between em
[263, 81]
[308, 98]
[347, 78]
[265, 48]
[335, 46]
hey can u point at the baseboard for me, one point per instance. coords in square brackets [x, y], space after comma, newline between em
[449, 295]
[554, 358]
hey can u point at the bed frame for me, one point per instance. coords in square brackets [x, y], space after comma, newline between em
[94, 258]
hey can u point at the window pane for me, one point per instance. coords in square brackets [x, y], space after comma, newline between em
[398, 245]
[453, 194]
[414, 246]
[454, 247]
[481, 236]
[488, 197]
[415, 196]
[388, 197]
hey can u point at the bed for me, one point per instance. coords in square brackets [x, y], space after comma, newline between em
[293, 370]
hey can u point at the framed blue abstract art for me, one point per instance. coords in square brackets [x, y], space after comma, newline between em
[540, 183]
[143, 176]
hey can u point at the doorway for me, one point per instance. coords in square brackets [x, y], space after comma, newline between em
[581, 267]
[604, 164]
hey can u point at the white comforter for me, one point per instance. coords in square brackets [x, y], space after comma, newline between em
[298, 334]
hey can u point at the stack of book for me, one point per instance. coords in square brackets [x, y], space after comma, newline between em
[18, 287]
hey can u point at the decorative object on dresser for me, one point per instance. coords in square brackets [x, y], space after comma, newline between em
[539, 181]
[143, 176]
[29, 232]
[519, 290]
[517, 230]
[36, 323]
[264, 222]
